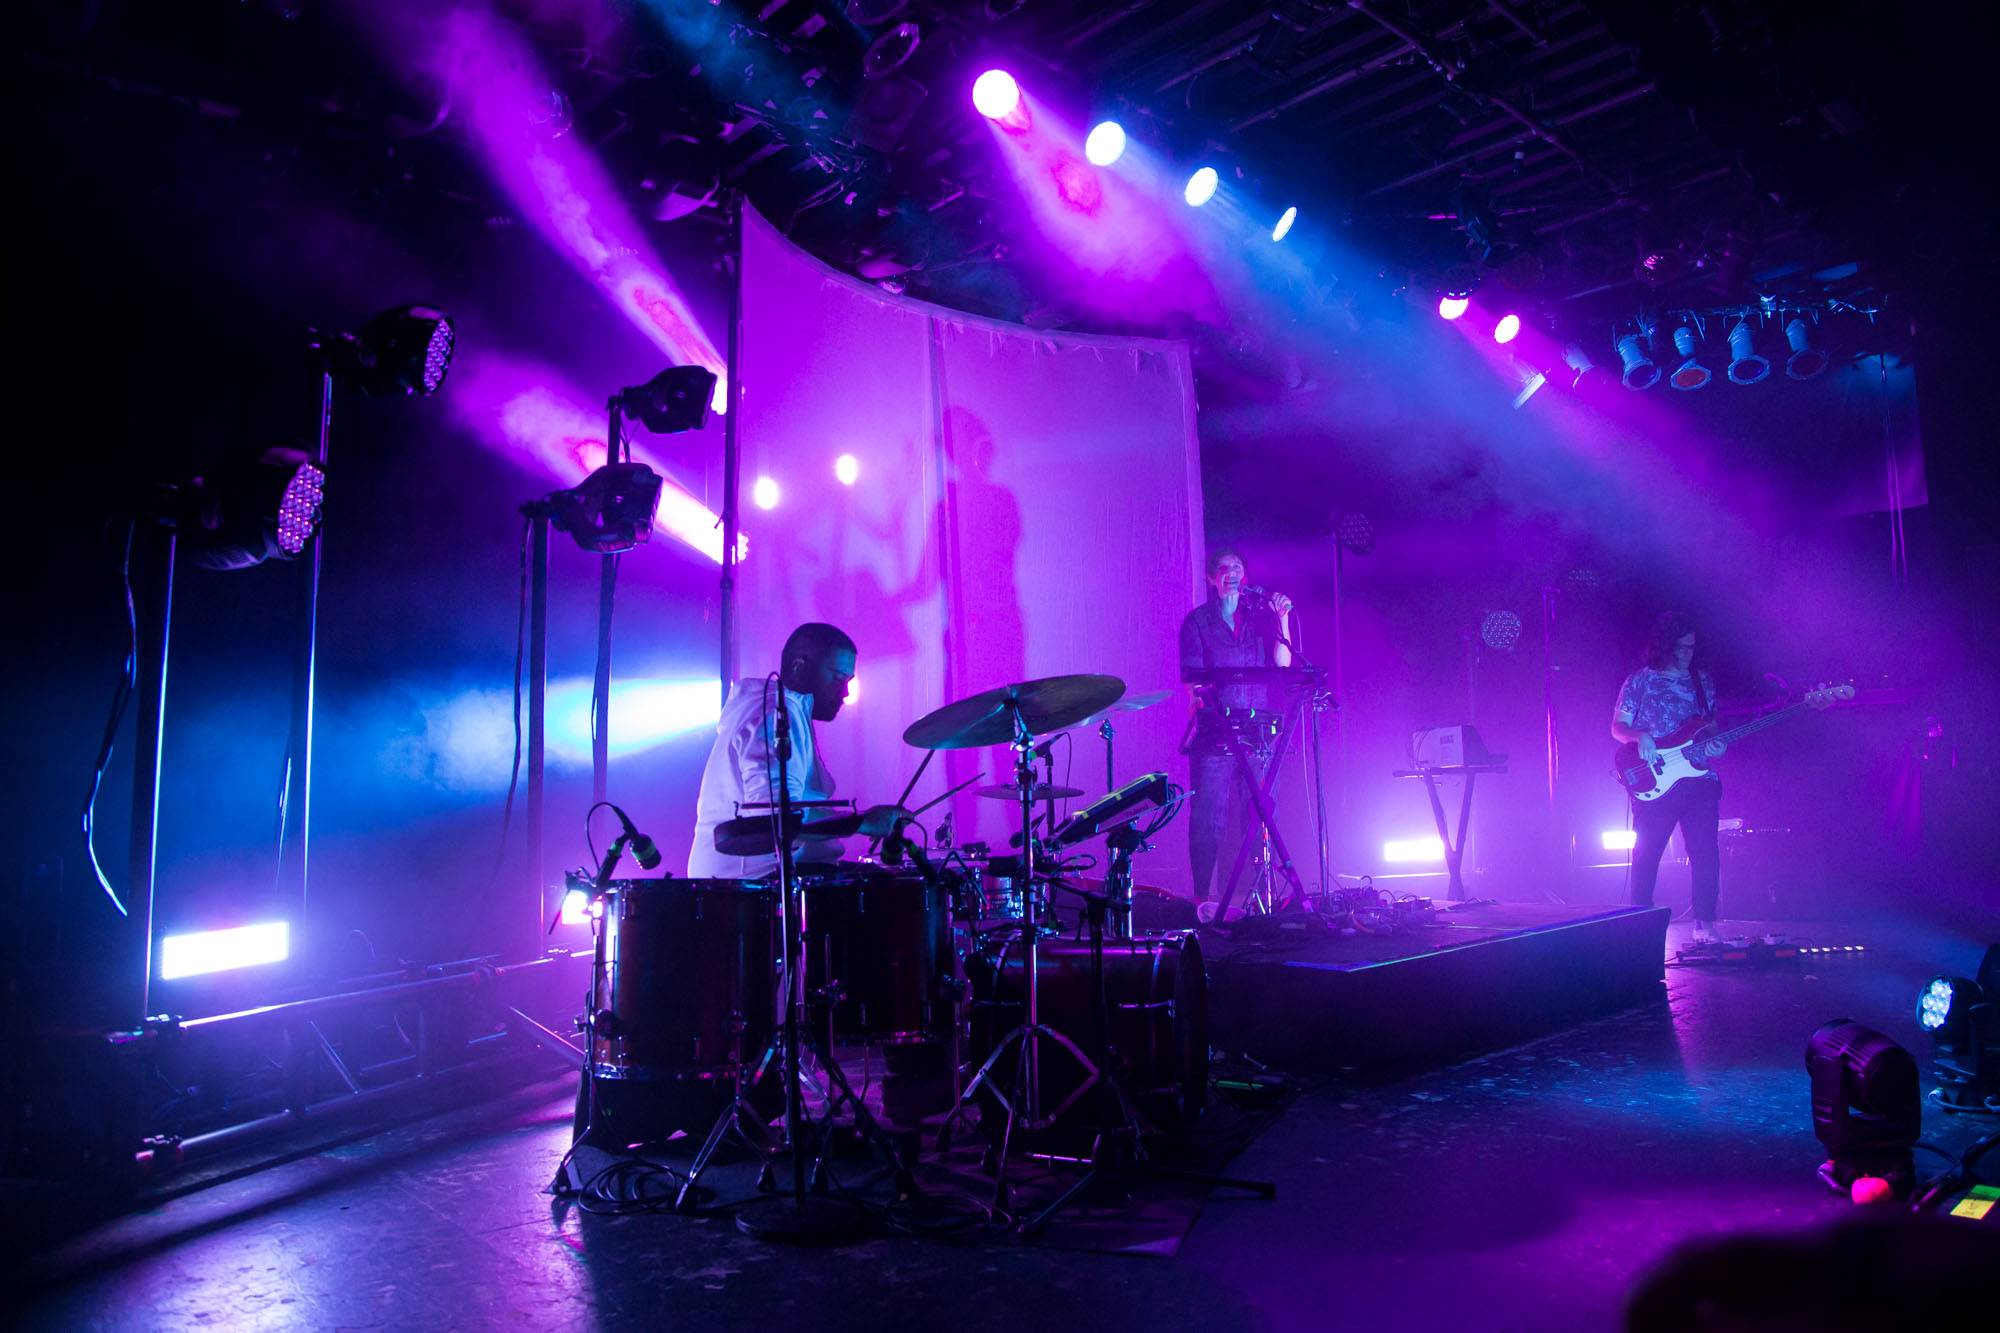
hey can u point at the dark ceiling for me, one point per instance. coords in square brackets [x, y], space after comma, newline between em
[1589, 160]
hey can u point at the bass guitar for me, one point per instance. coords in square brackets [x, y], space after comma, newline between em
[1688, 752]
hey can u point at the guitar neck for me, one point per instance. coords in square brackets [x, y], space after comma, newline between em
[1756, 724]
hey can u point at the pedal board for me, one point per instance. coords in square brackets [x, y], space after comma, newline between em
[1766, 952]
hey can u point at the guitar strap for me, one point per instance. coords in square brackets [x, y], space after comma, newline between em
[1700, 692]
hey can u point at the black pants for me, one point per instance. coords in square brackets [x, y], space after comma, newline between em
[1692, 804]
[1222, 807]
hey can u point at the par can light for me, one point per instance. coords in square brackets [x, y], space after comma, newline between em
[404, 352]
[1640, 371]
[1745, 366]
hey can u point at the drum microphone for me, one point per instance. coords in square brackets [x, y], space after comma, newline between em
[896, 849]
[643, 849]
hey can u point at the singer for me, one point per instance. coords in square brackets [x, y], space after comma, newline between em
[1237, 626]
[743, 764]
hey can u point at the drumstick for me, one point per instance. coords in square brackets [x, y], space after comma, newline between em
[953, 792]
[914, 776]
[876, 841]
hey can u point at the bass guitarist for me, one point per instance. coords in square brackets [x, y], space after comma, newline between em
[1659, 698]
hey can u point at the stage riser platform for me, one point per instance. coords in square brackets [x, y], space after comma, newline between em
[1317, 1006]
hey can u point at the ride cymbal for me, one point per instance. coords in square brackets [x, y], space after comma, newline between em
[987, 718]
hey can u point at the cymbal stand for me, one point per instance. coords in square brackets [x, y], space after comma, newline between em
[1024, 1108]
[1119, 1157]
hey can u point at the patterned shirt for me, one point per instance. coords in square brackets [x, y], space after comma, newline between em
[1661, 702]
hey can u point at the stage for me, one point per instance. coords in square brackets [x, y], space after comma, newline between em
[1528, 1188]
[1286, 992]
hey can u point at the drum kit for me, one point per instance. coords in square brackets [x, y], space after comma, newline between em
[732, 984]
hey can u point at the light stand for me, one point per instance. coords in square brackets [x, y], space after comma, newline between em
[403, 352]
[538, 686]
[1549, 687]
[295, 804]
[609, 512]
[731, 452]
[153, 602]
[1353, 534]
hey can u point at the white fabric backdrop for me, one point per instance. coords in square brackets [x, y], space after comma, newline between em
[1028, 504]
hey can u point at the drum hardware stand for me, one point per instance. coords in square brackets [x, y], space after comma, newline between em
[797, 1215]
[1119, 1156]
[1123, 842]
[960, 1101]
[1024, 1107]
[738, 1121]
[839, 1090]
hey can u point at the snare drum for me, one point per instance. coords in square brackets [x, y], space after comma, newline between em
[686, 981]
[878, 946]
[998, 895]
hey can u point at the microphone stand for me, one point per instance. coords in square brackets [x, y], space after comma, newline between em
[797, 1216]
[1315, 765]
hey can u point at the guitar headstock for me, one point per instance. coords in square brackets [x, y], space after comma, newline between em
[1826, 694]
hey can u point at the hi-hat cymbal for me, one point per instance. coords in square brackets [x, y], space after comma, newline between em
[1045, 705]
[1001, 791]
[751, 835]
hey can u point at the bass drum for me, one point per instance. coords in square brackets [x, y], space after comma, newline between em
[1158, 991]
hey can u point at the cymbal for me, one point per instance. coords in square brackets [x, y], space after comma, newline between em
[1131, 703]
[751, 835]
[1045, 705]
[1041, 791]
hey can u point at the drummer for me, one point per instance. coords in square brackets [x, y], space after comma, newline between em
[742, 766]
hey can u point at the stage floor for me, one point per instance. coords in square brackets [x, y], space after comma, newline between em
[1524, 1189]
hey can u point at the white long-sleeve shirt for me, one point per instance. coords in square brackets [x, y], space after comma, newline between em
[743, 767]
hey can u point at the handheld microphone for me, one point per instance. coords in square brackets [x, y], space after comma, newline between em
[1253, 593]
